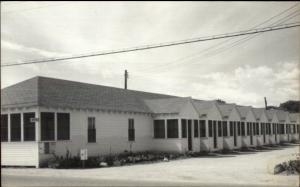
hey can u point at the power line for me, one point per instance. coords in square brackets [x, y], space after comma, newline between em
[234, 44]
[215, 47]
[161, 45]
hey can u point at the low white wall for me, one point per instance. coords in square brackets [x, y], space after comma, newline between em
[272, 139]
[245, 141]
[228, 142]
[196, 144]
[259, 140]
[283, 138]
[204, 144]
[19, 154]
[168, 145]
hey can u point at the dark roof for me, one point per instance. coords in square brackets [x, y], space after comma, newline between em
[50, 92]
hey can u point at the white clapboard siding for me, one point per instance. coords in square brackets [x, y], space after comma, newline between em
[19, 154]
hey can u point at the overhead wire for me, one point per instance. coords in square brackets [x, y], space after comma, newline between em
[229, 46]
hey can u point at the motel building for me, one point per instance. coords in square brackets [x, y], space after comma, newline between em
[260, 115]
[42, 117]
[284, 122]
[250, 126]
[270, 127]
[295, 119]
[211, 135]
[232, 116]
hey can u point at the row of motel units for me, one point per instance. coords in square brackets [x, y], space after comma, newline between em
[45, 116]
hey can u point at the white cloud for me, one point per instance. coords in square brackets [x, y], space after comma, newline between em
[34, 51]
[248, 85]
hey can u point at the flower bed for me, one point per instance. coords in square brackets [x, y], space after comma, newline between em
[125, 158]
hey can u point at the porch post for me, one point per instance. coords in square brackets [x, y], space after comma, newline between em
[166, 128]
[179, 128]
[8, 127]
[22, 127]
[55, 126]
[37, 127]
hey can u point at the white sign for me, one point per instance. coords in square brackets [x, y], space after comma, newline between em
[83, 154]
[32, 120]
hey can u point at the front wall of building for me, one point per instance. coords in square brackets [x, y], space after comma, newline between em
[169, 144]
[189, 112]
[251, 118]
[213, 114]
[234, 116]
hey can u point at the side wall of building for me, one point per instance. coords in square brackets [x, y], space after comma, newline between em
[111, 132]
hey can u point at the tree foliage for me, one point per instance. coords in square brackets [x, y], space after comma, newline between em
[291, 106]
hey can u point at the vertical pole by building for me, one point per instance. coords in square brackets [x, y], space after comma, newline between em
[125, 79]
[266, 105]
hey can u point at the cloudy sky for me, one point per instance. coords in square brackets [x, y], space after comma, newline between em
[241, 70]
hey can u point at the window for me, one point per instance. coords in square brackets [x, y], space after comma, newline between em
[29, 127]
[47, 126]
[257, 128]
[131, 131]
[298, 127]
[248, 128]
[294, 127]
[172, 131]
[243, 128]
[91, 129]
[159, 128]
[239, 128]
[4, 127]
[225, 133]
[202, 128]
[63, 126]
[231, 128]
[282, 128]
[253, 129]
[210, 126]
[219, 128]
[196, 129]
[183, 128]
[15, 126]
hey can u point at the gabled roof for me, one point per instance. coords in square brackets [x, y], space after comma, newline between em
[166, 105]
[203, 107]
[243, 110]
[225, 109]
[51, 92]
[282, 115]
[270, 114]
[294, 117]
[258, 112]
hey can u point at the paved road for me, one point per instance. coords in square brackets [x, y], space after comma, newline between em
[12, 180]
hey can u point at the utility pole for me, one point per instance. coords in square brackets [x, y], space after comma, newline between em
[266, 105]
[126, 77]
